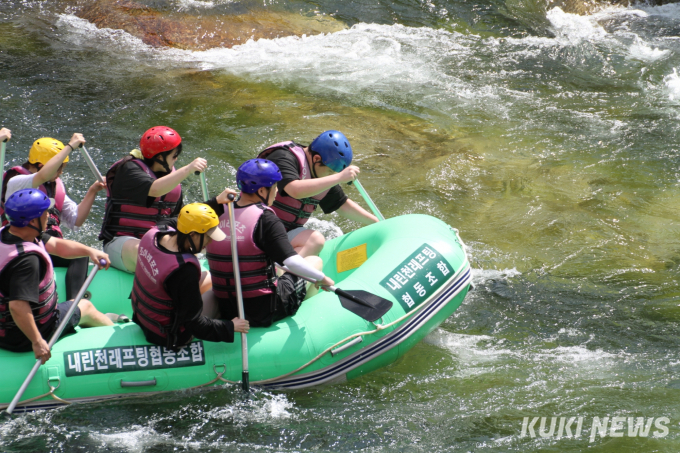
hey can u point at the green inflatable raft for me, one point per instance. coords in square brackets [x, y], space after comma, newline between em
[415, 261]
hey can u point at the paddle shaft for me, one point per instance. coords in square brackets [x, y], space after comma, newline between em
[204, 185]
[2, 162]
[239, 293]
[90, 163]
[338, 291]
[367, 199]
[55, 336]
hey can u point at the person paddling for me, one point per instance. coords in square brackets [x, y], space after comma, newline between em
[47, 159]
[29, 311]
[143, 189]
[166, 297]
[262, 241]
[311, 176]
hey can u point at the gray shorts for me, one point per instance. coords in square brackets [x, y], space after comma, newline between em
[63, 309]
[294, 232]
[114, 249]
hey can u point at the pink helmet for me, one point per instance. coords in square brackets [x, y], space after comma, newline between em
[158, 139]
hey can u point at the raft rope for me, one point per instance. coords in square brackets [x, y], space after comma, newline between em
[50, 393]
[378, 328]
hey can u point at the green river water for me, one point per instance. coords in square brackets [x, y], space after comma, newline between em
[549, 140]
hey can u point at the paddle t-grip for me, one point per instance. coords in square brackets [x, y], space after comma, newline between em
[231, 197]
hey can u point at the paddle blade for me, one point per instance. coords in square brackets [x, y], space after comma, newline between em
[370, 307]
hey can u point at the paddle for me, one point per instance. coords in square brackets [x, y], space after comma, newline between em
[204, 185]
[367, 199]
[55, 337]
[2, 162]
[362, 303]
[239, 294]
[90, 163]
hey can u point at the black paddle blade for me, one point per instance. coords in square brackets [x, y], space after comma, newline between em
[364, 304]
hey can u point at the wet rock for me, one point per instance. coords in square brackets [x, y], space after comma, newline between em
[185, 31]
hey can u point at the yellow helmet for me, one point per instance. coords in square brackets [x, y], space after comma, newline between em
[45, 149]
[200, 218]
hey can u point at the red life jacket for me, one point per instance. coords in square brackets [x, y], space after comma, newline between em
[154, 308]
[293, 212]
[59, 195]
[45, 309]
[123, 218]
[258, 276]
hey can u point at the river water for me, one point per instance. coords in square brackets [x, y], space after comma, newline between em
[549, 140]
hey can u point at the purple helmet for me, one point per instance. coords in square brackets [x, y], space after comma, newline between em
[25, 205]
[256, 173]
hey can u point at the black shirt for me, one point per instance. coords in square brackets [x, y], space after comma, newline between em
[290, 170]
[133, 184]
[270, 236]
[20, 280]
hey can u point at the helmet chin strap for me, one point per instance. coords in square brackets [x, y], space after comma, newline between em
[40, 230]
[264, 201]
[192, 246]
[162, 161]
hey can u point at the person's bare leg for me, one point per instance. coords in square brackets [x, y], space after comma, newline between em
[129, 254]
[318, 264]
[205, 282]
[308, 243]
[90, 316]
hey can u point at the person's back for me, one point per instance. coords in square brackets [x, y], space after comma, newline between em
[166, 297]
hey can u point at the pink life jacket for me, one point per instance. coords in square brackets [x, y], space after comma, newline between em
[59, 195]
[258, 277]
[293, 212]
[151, 303]
[122, 218]
[45, 309]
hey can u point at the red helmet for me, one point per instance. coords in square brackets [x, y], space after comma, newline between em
[158, 139]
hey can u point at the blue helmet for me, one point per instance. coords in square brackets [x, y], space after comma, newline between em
[334, 149]
[25, 205]
[256, 173]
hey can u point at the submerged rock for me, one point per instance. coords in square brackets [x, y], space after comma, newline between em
[185, 31]
[589, 6]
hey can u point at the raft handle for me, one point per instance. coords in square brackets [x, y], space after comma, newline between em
[347, 345]
[137, 383]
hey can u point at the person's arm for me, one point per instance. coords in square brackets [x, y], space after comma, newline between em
[22, 315]
[86, 204]
[163, 185]
[304, 188]
[49, 170]
[183, 287]
[71, 249]
[352, 211]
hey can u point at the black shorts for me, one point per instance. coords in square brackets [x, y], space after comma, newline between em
[262, 311]
[290, 292]
[62, 309]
